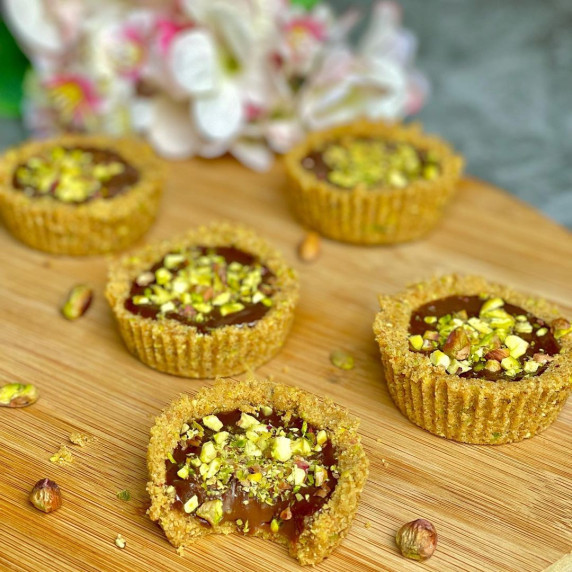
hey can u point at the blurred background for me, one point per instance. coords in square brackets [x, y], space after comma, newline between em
[501, 84]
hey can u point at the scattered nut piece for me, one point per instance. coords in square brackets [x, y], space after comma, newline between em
[342, 359]
[78, 301]
[80, 439]
[46, 496]
[367, 524]
[310, 247]
[417, 539]
[120, 542]
[18, 395]
[124, 495]
[62, 457]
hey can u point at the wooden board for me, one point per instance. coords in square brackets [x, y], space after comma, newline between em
[495, 508]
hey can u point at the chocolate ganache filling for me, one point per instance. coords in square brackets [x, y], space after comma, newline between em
[263, 471]
[204, 287]
[487, 338]
[75, 175]
[371, 163]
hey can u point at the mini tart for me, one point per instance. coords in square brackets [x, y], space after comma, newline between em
[95, 226]
[324, 529]
[181, 349]
[375, 215]
[470, 410]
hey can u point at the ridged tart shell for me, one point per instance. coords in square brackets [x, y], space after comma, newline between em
[180, 349]
[325, 529]
[372, 216]
[94, 227]
[465, 409]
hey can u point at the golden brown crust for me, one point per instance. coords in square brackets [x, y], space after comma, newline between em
[95, 227]
[172, 347]
[465, 409]
[372, 216]
[328, 527]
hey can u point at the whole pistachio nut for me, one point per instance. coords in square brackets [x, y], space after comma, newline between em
[417, 539]
[309, 248]
[458, 345]
[18, 395]
[77, 302]
[46, 496]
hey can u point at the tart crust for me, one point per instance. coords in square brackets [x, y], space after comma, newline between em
[94, 227]
[325, 530]
[374, 216]
[180, 349]
[465, 409]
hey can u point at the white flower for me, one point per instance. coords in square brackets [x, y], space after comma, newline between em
[375, 82]
[216, 63]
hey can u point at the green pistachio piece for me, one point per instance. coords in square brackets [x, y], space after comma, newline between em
[251, 450]
[301, 447]
[516, 345]
[531, 366]
[208, 452]
[298, 475]
[510, 364]
[212, 422]
[274, 525]
[232, 308]
[440, 359]
[221, 437]
[191, 504]
[184, 472]
[541, 332]
[321, 437]
[281, 449]
[211, 511]
[246, 421]
[491, 304]
[416, 342]
[266, 410]
[18, 395]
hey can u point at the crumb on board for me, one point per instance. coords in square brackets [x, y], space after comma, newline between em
[120, 542]
[124, 495]
[367, 524]
[80, 439]
[285, 369]
[62, 457]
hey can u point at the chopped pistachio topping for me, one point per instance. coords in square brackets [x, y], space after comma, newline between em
[490, 343]
[272, 462]
[201, 286]
[69, 175]
[374, 162]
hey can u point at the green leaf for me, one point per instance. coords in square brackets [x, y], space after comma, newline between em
[306, 4]
[12, 70]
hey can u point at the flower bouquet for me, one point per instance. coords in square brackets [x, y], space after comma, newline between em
[207, 77]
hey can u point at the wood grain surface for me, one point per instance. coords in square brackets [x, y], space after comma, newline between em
[495, 508]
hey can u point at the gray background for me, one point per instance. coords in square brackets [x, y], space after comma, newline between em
[501, 76]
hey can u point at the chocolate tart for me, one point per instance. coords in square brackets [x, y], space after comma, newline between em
[475, 361]
[78, 194]
[371, 183]
[258, 458]
[214, 302]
